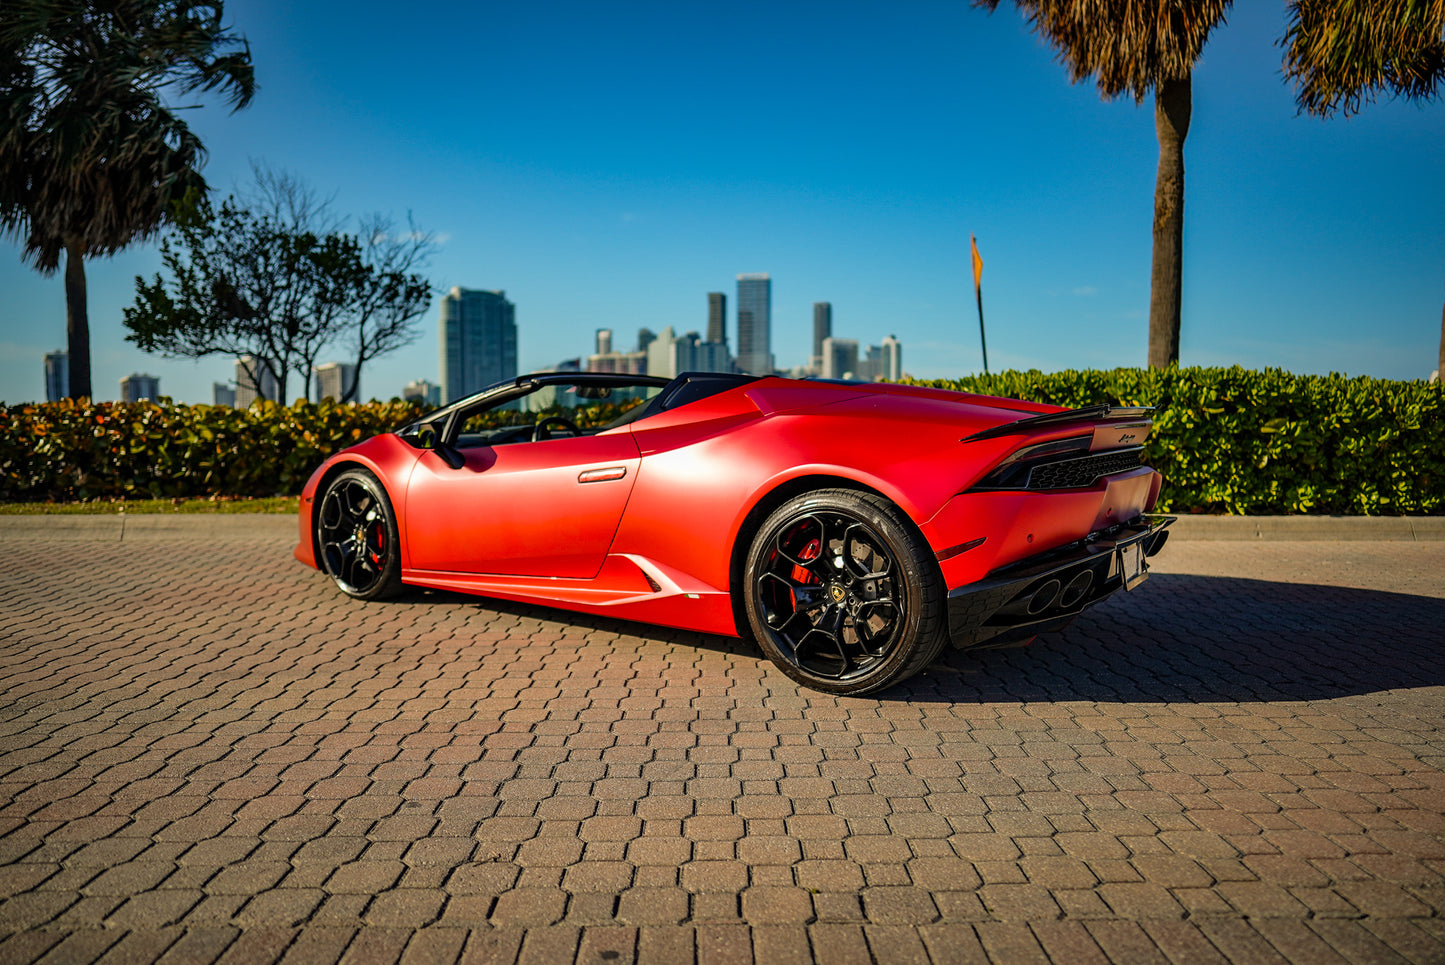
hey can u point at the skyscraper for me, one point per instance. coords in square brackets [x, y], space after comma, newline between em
[822, 328]
[423, 391]
[333, 379]
[755, 306]
[223, 394]
[57, 376]
[254, 380]
[140, 388]
[840, 358]
[892, 369]
[717, 317]
[478, 341]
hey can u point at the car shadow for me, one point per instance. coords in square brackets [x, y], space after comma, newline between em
[1204, 639]
[1180, 638]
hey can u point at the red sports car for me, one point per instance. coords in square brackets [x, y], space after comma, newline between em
[852, 529]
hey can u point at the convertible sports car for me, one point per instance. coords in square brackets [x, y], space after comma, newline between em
[852, 529]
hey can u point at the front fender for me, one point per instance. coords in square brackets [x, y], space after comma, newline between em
[386, 457]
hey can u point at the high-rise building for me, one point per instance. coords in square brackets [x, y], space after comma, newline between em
[478, 341]
[644, 338]
[335, 379]
[57, 376]
[223, 394]
[423, 391]
[892, 363]
[140, 388]
[822, 328]
[662, 354]
[255, 379]
[755, 306]
[604, 341]
[712, 356]
[717, 317]
[623, 363]
[840, 358]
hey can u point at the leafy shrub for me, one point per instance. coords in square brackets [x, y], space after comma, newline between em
[67, 451]
[1258, 442]
[1227, 440]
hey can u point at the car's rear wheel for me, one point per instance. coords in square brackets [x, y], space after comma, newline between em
[843, 593]
[356, 536]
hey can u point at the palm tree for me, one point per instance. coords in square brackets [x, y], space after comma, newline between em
[1135, 47]
[92, 154]
[1342, 53]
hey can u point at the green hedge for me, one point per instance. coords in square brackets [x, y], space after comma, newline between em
[1227, 440]
[68, 451]
[1264, 442]
[64, 451]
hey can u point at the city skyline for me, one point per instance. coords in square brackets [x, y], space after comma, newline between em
[484, 320]
[607, 196]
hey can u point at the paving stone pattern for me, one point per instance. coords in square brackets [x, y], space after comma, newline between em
[208, 754]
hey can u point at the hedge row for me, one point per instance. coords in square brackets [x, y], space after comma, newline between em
[1227, 440]
[66, 451]
[1264, 442]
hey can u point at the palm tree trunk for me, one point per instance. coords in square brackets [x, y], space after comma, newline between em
[1172, 101]
[1440, 363]
[77, 322]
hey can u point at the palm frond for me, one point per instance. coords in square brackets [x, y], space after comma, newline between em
[1125, 46]
[1342, 54]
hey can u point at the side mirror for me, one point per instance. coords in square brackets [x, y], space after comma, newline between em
[429, 438]
[451, 455]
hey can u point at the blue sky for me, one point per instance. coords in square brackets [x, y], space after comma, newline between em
[608, 165]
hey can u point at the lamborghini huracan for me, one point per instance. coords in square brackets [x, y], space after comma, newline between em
[851, 529]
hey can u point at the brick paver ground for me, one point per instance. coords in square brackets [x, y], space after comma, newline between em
[208, 754]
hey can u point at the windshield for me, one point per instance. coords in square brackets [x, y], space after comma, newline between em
[554, 411]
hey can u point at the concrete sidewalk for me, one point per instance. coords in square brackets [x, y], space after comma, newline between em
[209, 755]
[120, 526]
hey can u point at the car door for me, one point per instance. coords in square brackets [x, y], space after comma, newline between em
[547, 508]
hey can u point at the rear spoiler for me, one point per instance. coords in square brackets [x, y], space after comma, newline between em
[1093, 413]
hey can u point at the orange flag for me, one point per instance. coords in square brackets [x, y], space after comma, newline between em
[977, 264]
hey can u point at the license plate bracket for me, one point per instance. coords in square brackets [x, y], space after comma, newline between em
[1132, 562]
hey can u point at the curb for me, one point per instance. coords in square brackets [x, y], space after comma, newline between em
[1311, 528]
[118, 527]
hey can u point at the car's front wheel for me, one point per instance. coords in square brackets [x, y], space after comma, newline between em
[843, 593]
[356, 536]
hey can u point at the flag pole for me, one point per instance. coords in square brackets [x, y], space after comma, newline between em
[978, 294]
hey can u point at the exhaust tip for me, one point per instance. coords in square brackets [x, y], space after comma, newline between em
[1077, 589]
[1044, 597]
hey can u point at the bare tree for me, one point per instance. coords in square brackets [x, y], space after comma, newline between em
[393, 294]
[275, 275]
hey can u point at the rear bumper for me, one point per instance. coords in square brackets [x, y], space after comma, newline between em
[1046, 591]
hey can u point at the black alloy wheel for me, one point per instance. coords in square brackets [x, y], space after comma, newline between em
[843, 593]
[356, 536]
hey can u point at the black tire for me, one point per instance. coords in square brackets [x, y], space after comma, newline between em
[356, 537]
[843, 593]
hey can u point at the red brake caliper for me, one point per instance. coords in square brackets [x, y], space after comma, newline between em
[810, 552]
[381, 543]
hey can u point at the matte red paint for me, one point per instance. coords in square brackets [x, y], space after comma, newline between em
[516, 521]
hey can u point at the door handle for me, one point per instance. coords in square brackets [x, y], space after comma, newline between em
[601, 475]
